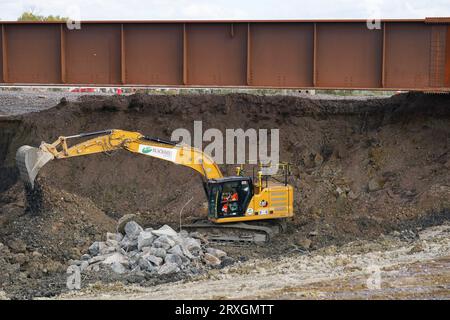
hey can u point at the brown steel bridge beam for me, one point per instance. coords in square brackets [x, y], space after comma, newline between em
[309, 54]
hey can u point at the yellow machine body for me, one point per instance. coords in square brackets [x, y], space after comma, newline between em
[275, 201]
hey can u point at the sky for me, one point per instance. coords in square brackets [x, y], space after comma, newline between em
[226, 9]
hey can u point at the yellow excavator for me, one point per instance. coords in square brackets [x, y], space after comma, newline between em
[241, 209]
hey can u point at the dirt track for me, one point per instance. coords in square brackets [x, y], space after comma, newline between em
[362, 168]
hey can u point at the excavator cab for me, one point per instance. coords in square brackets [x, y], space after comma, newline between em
[228, 197]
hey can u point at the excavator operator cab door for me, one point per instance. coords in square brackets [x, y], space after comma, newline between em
[229, 197]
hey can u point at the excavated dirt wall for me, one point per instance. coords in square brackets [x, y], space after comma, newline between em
[360, 167]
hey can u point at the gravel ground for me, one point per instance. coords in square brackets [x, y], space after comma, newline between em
[15, 102]
[391, 267]
[19, 102]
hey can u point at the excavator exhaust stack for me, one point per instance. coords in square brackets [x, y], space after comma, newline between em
[29, 161]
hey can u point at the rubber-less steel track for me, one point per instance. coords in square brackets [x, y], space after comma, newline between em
[237, 233]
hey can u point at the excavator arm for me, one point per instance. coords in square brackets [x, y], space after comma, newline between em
[30, 160]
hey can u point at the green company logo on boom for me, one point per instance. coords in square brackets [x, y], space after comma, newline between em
[147, 149]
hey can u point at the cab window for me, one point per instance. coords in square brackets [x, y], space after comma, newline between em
[230, 199]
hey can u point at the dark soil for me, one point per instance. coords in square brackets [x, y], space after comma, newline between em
[360, 168]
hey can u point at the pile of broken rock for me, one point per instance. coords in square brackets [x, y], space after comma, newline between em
[159, 252]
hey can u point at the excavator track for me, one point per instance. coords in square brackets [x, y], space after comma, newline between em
[237, 234]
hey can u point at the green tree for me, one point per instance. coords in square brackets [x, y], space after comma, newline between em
[32, 16]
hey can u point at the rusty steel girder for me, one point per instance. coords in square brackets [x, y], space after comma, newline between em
[320, 54]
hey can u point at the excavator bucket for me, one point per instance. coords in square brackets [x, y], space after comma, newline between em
[30, 160]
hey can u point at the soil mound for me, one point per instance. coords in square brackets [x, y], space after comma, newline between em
[37, 241]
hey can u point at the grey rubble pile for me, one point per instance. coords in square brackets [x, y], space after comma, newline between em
[161, 251]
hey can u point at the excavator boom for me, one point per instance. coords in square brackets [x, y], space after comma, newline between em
[30, 160]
